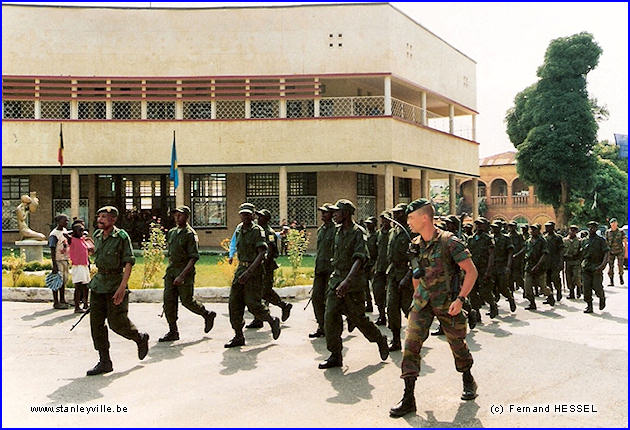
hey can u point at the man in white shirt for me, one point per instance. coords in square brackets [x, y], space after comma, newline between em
[58, 244]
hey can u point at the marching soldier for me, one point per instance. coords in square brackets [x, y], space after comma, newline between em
[468, 232]
[323, 267]
[618, 245]
[594, 258]
[536, 255]
[345, 289]
[554, 266]
[246, 287]
[379, 283]
[525, 232]
[399, 286]
[572, 260]
[270, 265]
[372, 238]
[503, 249]
[516, 274]
[438, 251]
[179, 280]
[110, 296]
[481, 247]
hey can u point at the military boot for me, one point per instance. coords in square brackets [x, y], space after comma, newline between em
[572, 293]
[317, 333]
[579, 292]
[558, 296]
[275, 327]
[494, 310]
[621, 278]
[383, 350]
[209, 321]
[602, 303]
[512, 304]
[172, 334]
[143, 345]
[237, 340]
[589, 308]
[382, 319]
[334, 360]
[104, 364]
[472, 319]
[438, 332]
[286, 311]
[470, 386]
[408, 403]
[368, 305]
[351, 325]
[532, 305]
[255, 324]
[550, 300]
[395, 344]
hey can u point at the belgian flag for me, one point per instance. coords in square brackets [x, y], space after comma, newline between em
[60, 150]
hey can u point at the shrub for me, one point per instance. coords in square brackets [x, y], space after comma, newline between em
[153, 252]
[223, 264]
[15, 265]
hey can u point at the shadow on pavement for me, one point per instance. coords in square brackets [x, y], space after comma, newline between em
[319, 345]
[609, 317]
[59, 319]
[241, 359]
[86, 388]
[35, 315]
[495, 329]
[351, 387]
[170, 350]
[466, 416]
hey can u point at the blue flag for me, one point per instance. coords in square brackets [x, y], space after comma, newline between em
[174, 175]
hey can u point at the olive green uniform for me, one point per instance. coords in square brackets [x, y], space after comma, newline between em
[372, 238]
[183, 245]
[323, 270]
[111, 255]
[554, 267]
[379, 282]
[270, 264]
[615, 240]
[398, 298]
[503, 247]
[594, 249]
[248, 242]
[480, 245]
[349, 245]
[536, 247]
[572, 258]
[518, 263]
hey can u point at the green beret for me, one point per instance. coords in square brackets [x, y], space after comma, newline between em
[108, 209]
[613, 220]
[417, 204]
[182, 209]
[342, 204]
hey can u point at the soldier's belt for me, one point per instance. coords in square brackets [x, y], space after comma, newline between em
[110, 272]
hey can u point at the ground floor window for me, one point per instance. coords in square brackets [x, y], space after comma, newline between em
[13, 188]
[61, 197]
[302, 198]
[263, 190]
[404, 190]
[366, 196]
[208, 199]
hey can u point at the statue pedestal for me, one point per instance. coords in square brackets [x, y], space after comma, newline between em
[33, 249]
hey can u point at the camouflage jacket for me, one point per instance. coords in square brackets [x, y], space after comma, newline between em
[615, 240]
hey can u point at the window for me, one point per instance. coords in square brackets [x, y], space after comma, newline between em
[208, 200]
[13, 188]
[404, 190]
[61, 196]
[91, 110]
[302, 199]
[142, 193]
[160, 110]
[300, 109]
[18, 109]
[126, 110]
[265, 109]
[55, 110]
[263, 190]
[366, 196]
[197, 110]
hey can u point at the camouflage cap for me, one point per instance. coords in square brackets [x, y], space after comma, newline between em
[417, 204]
[181, 209]
[400, 207]
[108, 209]
[263, 212]
[590, 223]
[342, 204]
[325, 207]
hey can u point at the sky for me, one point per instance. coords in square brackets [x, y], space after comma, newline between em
[508, 42]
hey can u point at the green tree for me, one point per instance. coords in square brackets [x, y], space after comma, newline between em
[609, 151]
[553, 124]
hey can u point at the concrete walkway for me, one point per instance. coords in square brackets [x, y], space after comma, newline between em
[550, 357]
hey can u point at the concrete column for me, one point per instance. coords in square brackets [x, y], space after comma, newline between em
[38, 104]
[451, 119]
[74, 193]
[423, 106]
[283, 101]
[179, 192]
[143, 103]
[475, 198]
[452, 194]
[389, 186]
[248, 102]
[213, 102]
[108, 102]
[474, 127]
[424, 184]
[179, 104]
[316, 100]
[74, 103]
[284, 194]
[387, 82]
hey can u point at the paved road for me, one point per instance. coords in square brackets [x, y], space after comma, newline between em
[550, 357]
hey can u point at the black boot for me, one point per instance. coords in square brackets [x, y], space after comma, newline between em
[317, 333]
[589, 308]
[494, 310]
[470, 386]
[382, 319]
[351, 325]
[395, 344]
[275, 327]
[532, 305]
[104, 364]
[173, 334]
[143, 345]
[512, 304]
[255, 324]
[237, 340]
[550, 300]
[572, 293]
[602, 303]
[438, 332]
[621, 279]
[209, 321]
[334, 360]
[472, 319]
[558, 296]
[286, 311]
[408, 403]
[383, 350]
[368, 306]
[579, 293]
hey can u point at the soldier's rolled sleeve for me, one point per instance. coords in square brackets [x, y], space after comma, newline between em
[459, 252]
[192, 247]
[360, 248]
[127, 254]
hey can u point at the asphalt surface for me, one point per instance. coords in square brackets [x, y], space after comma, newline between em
[553, 357]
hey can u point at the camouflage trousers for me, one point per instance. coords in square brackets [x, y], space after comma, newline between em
[379, 288]
[592, 281]
[418, 330]
[574, 278]
[532, 280]
[611, 265]
[481, 293]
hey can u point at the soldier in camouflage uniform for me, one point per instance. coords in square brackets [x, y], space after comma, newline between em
[594, 258]
[503, 249]
[268, 294]
[179, 280]
[110, 296]
[481, 247]
[572, 260]
[379, 283]
[536, 256]
[372, 238]
[246, 289]
[554, 266]
[345, 293]
[399, 286]
[617, 243]
[323, 267]
[518, 261]
[438, 252]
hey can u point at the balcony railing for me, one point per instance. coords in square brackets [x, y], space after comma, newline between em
[498, 200]
[520, 200]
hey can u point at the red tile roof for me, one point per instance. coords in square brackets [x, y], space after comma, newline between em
[499, 159]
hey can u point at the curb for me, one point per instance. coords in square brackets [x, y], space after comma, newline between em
[153, 295]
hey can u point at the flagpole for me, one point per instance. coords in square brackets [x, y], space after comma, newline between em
[61, 162]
